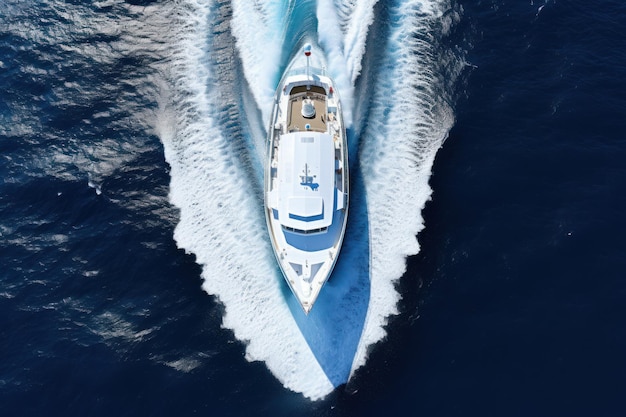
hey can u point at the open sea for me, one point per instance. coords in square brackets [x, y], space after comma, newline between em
[484, 267]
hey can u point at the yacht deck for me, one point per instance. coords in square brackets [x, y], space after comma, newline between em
[297, 122]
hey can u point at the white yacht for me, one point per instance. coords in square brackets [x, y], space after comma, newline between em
[306, 178]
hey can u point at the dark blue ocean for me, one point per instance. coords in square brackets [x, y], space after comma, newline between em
[133, 276]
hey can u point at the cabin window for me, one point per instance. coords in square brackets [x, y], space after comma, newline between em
[304, 232]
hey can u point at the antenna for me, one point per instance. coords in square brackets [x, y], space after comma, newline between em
[307, 52]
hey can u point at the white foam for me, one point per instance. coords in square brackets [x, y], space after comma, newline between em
[185, 365]
[355, 19]
[111, 326]
[331, 40]
[258, 28]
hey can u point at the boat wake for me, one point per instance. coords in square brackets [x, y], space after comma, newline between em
[385, 58]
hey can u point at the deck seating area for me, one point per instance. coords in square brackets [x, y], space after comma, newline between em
[297, 122]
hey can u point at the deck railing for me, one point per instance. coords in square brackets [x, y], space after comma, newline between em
[312, 70]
